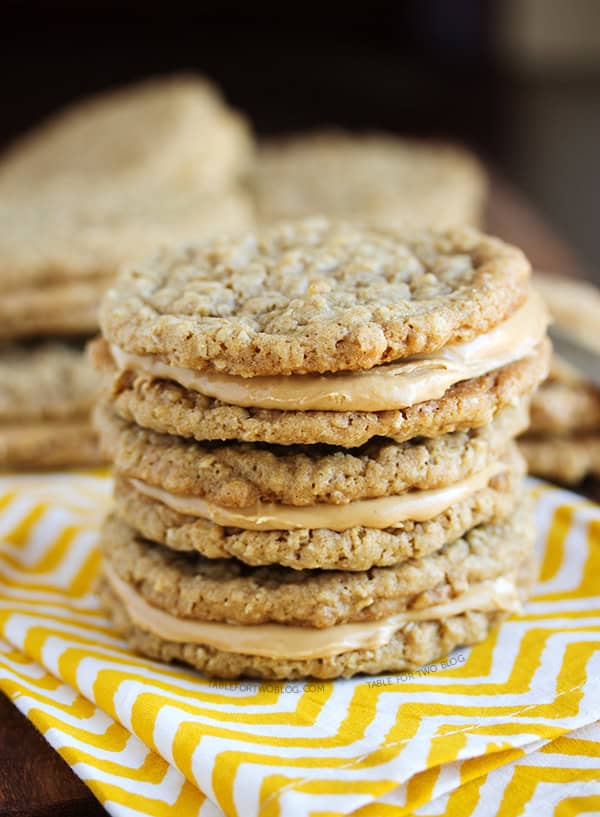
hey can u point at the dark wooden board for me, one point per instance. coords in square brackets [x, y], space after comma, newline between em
[34, 780]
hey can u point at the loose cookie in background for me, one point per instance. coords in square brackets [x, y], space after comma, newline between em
[173, 131]
[370, 178]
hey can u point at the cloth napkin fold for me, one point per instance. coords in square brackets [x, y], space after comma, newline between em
[488, 726]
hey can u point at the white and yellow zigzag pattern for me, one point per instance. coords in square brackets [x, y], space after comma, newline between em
[149, 738]
[123, 773]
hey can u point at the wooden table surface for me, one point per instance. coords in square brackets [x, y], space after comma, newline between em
[34, 780]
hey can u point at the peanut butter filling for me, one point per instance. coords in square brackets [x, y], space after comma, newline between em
[279, 641]
[392, 386]
[381, 512]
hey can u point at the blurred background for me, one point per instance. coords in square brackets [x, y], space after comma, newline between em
[518, 80]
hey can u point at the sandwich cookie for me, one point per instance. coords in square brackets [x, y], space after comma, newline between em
[162, 162]
[324, 333]
[229, 620]
[309, 507]
[99, 185]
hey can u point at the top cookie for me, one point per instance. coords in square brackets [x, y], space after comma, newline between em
[373, 178]
[313, 296]
[174, 130]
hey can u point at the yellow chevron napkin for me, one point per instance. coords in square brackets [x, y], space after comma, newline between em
[489, 731]
[130, 779]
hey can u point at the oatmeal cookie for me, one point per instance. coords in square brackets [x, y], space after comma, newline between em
[356, 548]
[46, 393]
[567, 458]
[368, 178]
[236, 475]
[175, 130]
[313, 296]
[167, 407]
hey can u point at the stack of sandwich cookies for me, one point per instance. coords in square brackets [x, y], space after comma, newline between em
[563, 441]
[388, 529]
[99, 185]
